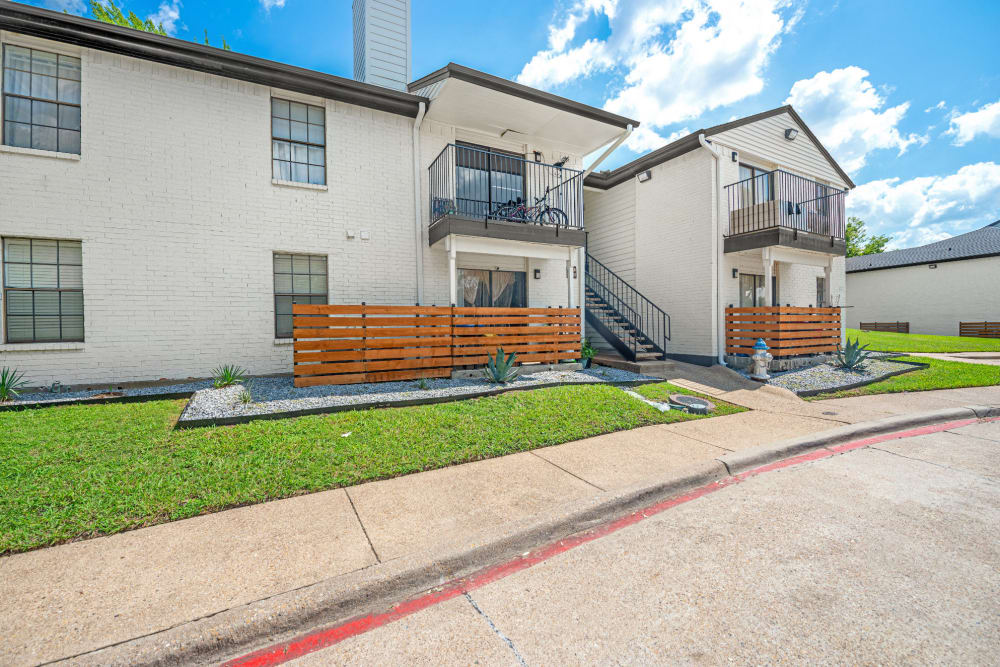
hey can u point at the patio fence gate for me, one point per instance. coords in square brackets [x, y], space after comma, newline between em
[363, 343]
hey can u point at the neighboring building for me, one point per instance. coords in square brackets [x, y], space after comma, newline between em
[165, 202]
[933, 286]
[746, 214]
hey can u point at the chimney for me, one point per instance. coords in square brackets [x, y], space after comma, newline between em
[382, 42]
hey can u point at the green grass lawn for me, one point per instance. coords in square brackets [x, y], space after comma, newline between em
[881, 341]
[939, 375]
[86, 470]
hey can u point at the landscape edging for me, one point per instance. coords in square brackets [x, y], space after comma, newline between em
[283, 616]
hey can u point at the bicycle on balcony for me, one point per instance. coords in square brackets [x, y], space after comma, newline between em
[540, 213]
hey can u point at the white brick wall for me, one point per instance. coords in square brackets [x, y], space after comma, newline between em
[174, 203]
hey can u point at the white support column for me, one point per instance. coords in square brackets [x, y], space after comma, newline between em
[570, 283]
[581, 264]
[452, 273]
[827, 286]
[768, 276]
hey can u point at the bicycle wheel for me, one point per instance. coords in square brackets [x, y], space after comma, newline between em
[553, 216]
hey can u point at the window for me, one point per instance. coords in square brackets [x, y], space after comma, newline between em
[820, 290]
[41, 100]
[755, 185]
[752, 290]
[297, 279]
[42, 290]
[502, 289]
[298, 140]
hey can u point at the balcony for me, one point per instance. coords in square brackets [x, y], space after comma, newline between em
[481, 192]
[781, 209]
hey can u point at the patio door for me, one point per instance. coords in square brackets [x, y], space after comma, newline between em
[485, 178]
[501, 289]
[752, 290]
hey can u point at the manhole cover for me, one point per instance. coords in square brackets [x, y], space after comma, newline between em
[692, 403]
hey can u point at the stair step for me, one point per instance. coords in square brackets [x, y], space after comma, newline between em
[646, 356]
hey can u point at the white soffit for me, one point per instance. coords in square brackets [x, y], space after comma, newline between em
[467, 105]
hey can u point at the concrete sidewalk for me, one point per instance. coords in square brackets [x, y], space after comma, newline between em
[79, 597]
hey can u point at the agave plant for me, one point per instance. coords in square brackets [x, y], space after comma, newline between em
[852, 357]
[228, 375]
[11, 383]
[500, 370]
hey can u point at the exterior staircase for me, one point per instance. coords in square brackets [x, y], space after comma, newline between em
[636, 327]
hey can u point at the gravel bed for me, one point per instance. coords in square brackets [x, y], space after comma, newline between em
[276, 395]
[71, 396]
[826, 377]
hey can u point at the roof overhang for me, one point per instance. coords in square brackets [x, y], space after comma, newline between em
[92, 34]
[470, 99]
[608, 179]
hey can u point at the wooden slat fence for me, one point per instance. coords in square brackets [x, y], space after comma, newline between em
[787, 330]
[889, 327]
[979, 329]
[365, 343]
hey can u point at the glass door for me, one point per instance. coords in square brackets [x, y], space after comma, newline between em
[485, 178]
[501, 289]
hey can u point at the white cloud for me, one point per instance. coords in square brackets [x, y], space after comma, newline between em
[929, 208]
[964, 127]
[71, 6]
[168, 16]
[846, 111]
[269, 4]
[679, 58]
[939, 105]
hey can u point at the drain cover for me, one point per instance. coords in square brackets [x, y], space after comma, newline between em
[692, 403]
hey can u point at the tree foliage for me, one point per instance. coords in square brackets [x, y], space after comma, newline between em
[859, 242]
[115, 15]
[112, 13]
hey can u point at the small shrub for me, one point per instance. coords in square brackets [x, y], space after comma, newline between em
[423, 384]
[228, 375]
[12, 382]
[500, 370]
[246, 395]
[852, 357]
[587, 351]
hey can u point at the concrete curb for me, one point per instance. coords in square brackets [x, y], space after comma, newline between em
[741, 461]
[282, 617]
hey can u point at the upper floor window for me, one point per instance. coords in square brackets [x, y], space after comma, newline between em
[41, 100]
[298, 141]
[42, 290]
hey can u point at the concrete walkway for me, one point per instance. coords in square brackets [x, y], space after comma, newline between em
[991, 358]
[886, 554]
[75, 598]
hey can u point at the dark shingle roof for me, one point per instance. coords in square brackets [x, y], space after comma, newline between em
[983, 242]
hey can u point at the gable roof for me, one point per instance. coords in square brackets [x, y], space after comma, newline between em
[462, 73]
[983, 242]
[608, 179]
[88, 33]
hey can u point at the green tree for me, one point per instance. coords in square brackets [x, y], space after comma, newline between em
[859, 242]
[112, 13]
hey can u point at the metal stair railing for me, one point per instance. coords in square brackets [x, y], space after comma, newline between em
[649, 321]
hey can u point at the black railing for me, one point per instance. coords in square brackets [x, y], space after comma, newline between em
[638, 323]
[491, 185]
[781, 199]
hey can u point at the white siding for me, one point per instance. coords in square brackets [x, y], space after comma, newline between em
[763, 142]
[609, 217]
[382, 42]
[933, 301]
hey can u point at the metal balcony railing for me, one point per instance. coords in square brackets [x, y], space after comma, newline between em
[491, 185]
[781, 199]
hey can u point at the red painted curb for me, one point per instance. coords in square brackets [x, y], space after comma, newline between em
[314, 641]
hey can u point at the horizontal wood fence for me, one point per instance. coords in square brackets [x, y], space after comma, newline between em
[889, 327]
[979, 329]
[787, 330]
[362, 343]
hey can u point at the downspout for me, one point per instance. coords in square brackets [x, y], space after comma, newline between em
[417, 217]
[716, 234]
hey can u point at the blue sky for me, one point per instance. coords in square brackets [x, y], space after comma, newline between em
[906, 95]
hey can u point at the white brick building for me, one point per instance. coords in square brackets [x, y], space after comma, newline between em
[184, 199]
[710, 219]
